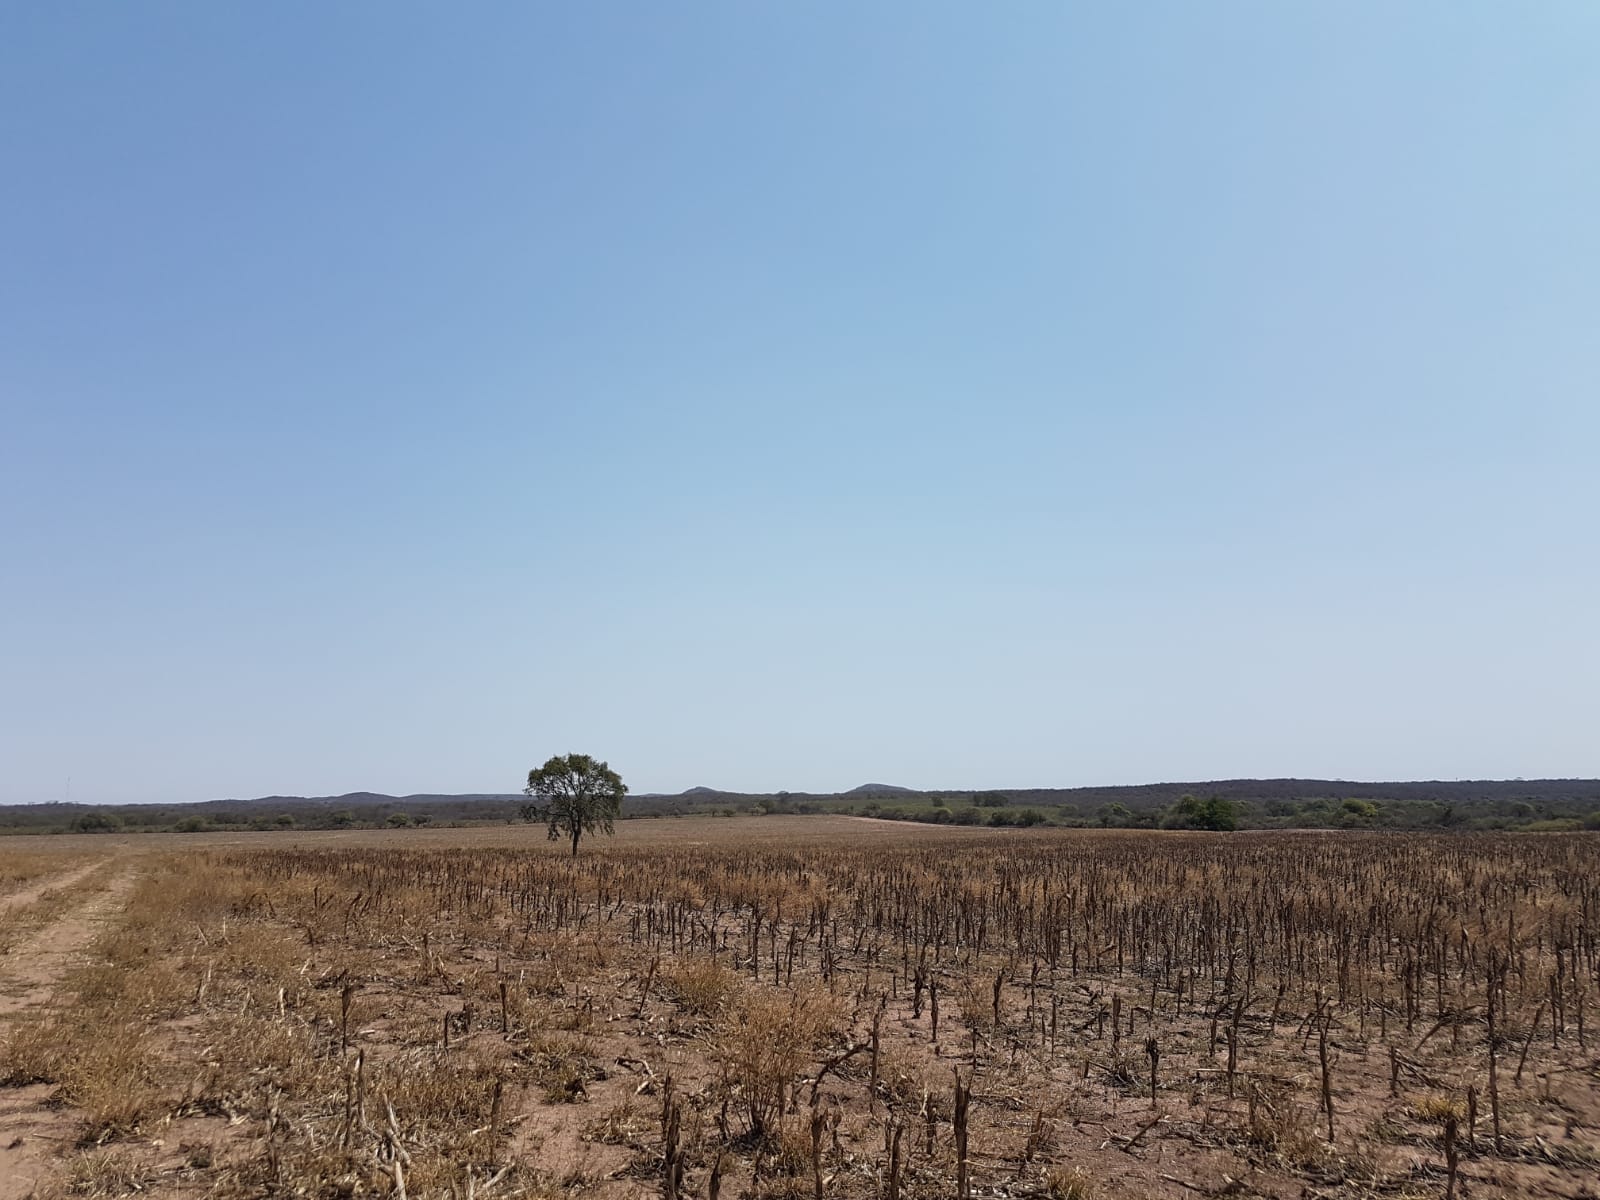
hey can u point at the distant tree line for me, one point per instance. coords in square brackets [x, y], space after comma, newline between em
[1533, 806]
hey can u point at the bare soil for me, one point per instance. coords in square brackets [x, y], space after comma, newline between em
[32, 1129]
[289, 986]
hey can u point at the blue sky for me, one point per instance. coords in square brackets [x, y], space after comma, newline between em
[789, 396]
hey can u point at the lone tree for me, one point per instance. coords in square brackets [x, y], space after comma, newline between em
[574, 795]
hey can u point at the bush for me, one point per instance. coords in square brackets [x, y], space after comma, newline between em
[700, 986]
[1113, 816]
[97, 822]
[768, 1037]
[1214, 814]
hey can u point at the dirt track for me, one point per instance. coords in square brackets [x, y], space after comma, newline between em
[31, 1132]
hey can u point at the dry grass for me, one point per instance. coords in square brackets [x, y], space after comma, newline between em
[47, 895]
[22, 867]
[700, 986]
[335, 1018]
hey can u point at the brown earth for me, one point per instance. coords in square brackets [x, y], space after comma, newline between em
[81, 901]
[284, 945]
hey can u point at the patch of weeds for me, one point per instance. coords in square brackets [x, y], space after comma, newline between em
[1438, 1108]
[1069, 1183]
[699, 986]
[621, 1125]
[108, 1173]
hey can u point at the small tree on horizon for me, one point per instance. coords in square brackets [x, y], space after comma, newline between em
[575, 794]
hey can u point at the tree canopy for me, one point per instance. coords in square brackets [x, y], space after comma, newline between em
[574, 795]
[1214, 813]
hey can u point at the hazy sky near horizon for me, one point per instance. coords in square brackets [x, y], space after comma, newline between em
[789, 396]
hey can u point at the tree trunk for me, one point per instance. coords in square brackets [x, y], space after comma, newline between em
[577, 830]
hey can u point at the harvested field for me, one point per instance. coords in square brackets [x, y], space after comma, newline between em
[801, 1007]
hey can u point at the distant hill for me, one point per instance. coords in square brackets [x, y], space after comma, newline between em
[361, 799]
[263, 812]
[1261, 803]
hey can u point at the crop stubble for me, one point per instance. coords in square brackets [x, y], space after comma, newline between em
[832, 1007]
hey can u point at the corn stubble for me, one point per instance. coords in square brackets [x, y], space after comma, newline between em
[1122, 1015]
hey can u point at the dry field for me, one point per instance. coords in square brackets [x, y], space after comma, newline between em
[799, 1007]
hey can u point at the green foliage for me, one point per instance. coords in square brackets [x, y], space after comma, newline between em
[97, 822]
[400, 820]
[1215, 814]
[192, 825]
[1357, 814]
[990, 800]
[1023, 817]
[575, 795]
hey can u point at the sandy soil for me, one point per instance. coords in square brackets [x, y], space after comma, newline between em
[1128, 1145]
[31, 1131]
[31, 894]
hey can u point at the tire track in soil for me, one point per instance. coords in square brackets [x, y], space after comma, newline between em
[32, 893]
[30, 1130]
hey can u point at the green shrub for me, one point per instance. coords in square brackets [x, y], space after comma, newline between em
[97, 822]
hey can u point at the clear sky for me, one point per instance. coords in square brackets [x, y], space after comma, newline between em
[794, 395]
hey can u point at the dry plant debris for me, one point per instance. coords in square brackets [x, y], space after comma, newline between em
[876, 1013]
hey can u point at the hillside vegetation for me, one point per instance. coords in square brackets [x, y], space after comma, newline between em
[1537, 805]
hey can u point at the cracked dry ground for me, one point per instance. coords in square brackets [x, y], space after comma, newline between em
[802, 1007]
